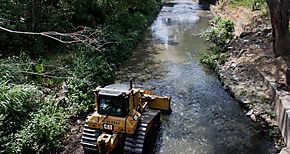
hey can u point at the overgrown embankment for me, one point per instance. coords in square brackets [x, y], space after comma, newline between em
[244, 60]
[46, 84]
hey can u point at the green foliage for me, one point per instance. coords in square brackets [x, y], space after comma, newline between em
[11, 67]
[32, 118]
[274, 132]
[220, 32]
[92, 68]
[122, 16]
[16, 104]
[88, 72]
[213, 59]
[34, 110]
[35, 16]
[45, 129]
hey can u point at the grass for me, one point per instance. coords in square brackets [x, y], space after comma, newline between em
[247, 3]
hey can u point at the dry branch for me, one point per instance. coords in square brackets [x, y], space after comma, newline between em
[44, 75]
[91, 38]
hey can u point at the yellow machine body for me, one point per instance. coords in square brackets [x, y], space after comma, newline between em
[118, 114]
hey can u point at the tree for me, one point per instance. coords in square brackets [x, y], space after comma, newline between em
[279, 11]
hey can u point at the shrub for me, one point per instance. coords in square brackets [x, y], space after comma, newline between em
[221, 31]
[213, 59]
[11, 67]
[91, 67]
[44, 131]
[16, 104]
[218, 35]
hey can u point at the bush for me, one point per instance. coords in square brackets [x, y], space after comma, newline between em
[91, 67]
[218, 35]
[16, 104]
[44, 131]
[11, 67]
[213, 59]
[221, 31]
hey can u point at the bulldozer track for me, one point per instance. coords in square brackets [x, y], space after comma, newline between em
[135, 143]
[89, 139]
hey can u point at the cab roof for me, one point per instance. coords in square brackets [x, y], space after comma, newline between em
[115, 90]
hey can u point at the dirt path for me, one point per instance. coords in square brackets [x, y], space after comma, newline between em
[72, 143]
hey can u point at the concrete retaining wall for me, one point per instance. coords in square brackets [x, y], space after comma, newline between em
[282, 110]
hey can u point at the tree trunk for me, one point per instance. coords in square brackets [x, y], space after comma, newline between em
[280, 25]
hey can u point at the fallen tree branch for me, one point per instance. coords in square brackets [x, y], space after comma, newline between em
[90, 38]
[47, 34]
[44, 75]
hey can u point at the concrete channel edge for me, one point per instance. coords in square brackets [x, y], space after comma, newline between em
[282, 110]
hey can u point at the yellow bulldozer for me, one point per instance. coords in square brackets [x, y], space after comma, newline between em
[122, 119]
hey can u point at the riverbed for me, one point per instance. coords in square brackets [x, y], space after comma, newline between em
[205, 118]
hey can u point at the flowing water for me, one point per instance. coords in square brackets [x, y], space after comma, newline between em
[205, 118]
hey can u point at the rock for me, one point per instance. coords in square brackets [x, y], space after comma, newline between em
[233, 65]
[253, 117]
[173, 43]
[242, 52]
[250, 112]
[244, 41]
[244, 34]
[258, 34]
[230, 48]
[267, 30]
[285, 151]
[258, 41]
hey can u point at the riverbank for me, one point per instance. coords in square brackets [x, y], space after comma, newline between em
[46, 92]
[251, 72]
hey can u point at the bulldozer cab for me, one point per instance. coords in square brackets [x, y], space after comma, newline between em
[114, 100]
[113, 105]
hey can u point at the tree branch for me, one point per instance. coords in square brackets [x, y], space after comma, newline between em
[44, 75]
[86, 36]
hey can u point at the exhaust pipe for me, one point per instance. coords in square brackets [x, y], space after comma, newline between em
[131, 83]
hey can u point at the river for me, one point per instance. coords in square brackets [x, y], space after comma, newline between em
[205, 118]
